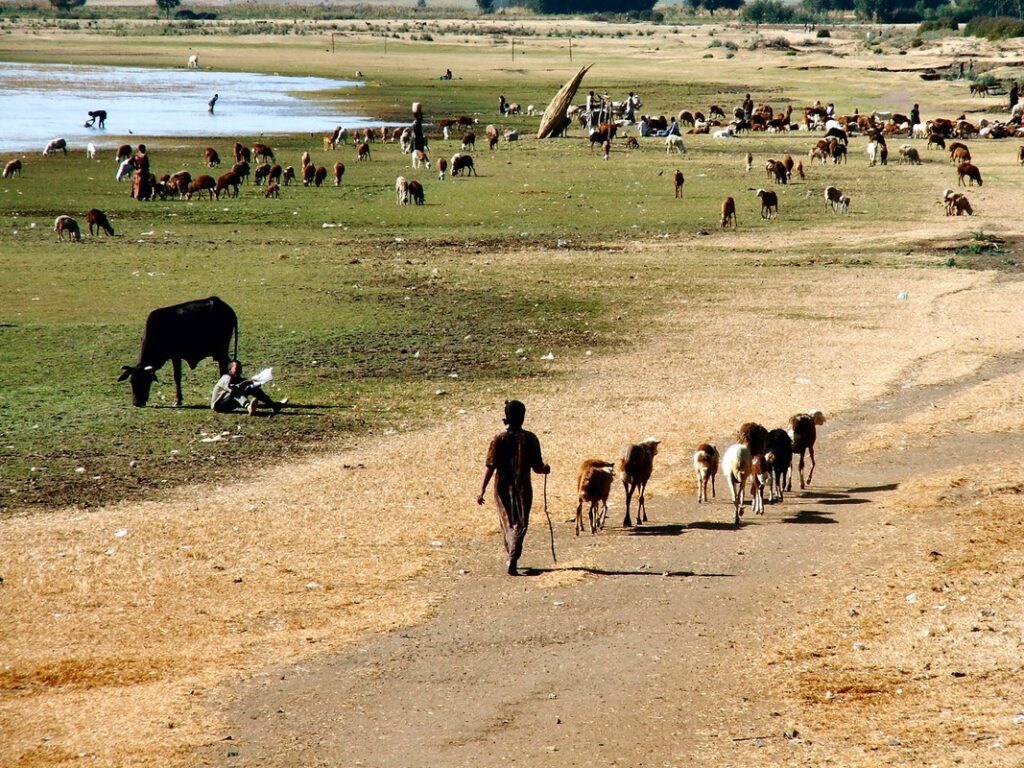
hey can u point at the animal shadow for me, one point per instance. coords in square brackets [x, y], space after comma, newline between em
[810, 516]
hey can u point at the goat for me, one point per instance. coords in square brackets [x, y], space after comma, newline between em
[635, 469]
[339, 173]
[777, 170]
[55, 146]
[804, 433]
[736, 466]
[935, 140]
[460, 163]
[674, 144]
[402, 190]
[64, 224]
[843, 205]
[678, 180]
[957, 204]
[728, 212]
[442, 168]
[769, 203]
[328, 142]
[778, 457]
[193, 61]
[531, 111]
[211, 157]
[272, 190]
[123, 153]
[1020, 155]
[12, 168]
[97, 220]
[416, 192]
[970, 172]
[125, 170]
[340, 136]
[200, 184]
[363, 151]
[705, 464]
[305, 159]
[593, 486]
[511, 135]
[799, 170]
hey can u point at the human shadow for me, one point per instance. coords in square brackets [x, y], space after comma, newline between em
[810, 516]
[622, 572]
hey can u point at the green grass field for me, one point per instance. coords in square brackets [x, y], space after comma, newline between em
[367, 309]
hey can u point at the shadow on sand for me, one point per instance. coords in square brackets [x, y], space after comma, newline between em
[616, 572]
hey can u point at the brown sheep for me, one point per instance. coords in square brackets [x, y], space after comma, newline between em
[803, 430]
[200, 184]
[328, 142]
[752, 435]
[305, 159]
[416, 192]
[769, 203]
[368, 136]
[442, 168]
[64, 224]
[241, 170]
[211, 158]
[460, 163]
[971, 172]
[12, 168]
[635, 468]
[678, 181]
[228, 183]
[955, 147]
[97, 220]
[289, 175]
[469, 141]
[308, 174]
[728, 212]
[242, 154]
[705, 464]
[320, 175]
[272, 190]
[261, 151]
[261, 174]
[339, 173]
[363, 151]
[593, 486]
[274, 177]
[179, 183]
[632, 143]
[124, 152]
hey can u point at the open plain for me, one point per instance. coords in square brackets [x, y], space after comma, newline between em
[319, 588]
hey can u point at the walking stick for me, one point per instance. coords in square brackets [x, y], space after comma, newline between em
[551, 528]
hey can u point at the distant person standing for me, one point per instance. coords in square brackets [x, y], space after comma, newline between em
[513, 453]
[502, 105]
[212, 103]
[748, 108]
[1014, 96]
[915, 116]
[142, 189]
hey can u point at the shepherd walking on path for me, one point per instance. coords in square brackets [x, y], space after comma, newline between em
[512, 454]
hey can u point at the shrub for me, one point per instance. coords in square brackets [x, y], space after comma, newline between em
[945, 24]
[994, 27]
[917, 42]
[823, 33]
[767, 12]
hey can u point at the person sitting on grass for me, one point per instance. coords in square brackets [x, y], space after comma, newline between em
[232, 392]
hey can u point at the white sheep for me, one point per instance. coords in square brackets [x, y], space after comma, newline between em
[402, 190]
[674, 144]
[90, 151]
[725, 133]
[531, 111]
[736, 466]
[872, 151]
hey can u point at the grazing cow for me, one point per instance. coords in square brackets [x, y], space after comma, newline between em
[678, 180]
[54, 146]
[12, 168]
[201, 184]
[308, 174]
[804, 433]
[273, 190]
[228, 183]
[728, 212]
[593, 486]
[64, 224]
[635, 468]
[363, 151]
[97, 220]
[289, 175]
[211, 157]
[416, 192]
[402, 190]
[769, 203]
[193, 61]
[262, 151]
[442, 168]
[460, 163]
[339, 173]
[970, 172]
[261, 173]
[705, 464]
[191, 331]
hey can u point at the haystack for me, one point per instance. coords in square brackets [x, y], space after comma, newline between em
[553, 120]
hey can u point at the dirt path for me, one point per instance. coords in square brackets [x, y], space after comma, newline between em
[639, 652]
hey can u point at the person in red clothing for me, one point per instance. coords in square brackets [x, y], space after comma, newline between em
[513, 453]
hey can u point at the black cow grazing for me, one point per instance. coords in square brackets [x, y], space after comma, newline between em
[191, 331]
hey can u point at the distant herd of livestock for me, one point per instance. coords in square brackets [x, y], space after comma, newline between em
[762, 457]
[878, 127]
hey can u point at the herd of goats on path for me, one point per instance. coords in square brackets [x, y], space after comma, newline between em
[833, 147]
[762, 457]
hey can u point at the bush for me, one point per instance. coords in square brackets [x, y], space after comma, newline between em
[945, 24]
[767, 12]
[823, 33]
[994, 27]
[917, 42]
[188, 15]
[591, 6]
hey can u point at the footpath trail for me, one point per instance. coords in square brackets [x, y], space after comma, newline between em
[639, 648]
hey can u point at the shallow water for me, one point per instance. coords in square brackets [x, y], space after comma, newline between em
[46, 101]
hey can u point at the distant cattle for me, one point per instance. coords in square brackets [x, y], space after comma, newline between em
[191, 331]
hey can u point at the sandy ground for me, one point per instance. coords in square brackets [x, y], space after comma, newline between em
[151, 608]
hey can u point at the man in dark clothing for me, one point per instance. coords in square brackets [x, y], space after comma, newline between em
[511, 455]
[915, 116]
[1014, 96]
